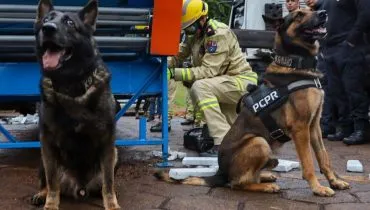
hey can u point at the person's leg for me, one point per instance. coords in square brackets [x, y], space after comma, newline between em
[354, 77]
[336, 93]
[229, 111]
[137, 106]
[199, 120]
[152, 105]
[209, 94]
[189, 112]
[205, 93]
[171, 97]
[328, 113]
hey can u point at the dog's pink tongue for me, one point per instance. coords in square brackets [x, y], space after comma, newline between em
[50, 59]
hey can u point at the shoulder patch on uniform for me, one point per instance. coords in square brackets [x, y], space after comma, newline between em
[211, 46]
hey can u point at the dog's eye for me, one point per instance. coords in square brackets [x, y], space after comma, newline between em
[45, 20]
[70, 22]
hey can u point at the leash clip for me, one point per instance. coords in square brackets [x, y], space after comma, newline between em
[317, 83]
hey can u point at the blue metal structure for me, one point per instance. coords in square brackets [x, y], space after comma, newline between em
[140, 74]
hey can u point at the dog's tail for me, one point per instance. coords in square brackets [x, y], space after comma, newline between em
[217, 180]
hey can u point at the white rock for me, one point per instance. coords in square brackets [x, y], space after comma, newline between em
[172, 157]
[286, 165]
[157, 153]
[204, 161]
[354, 166]
[181, 155]
[182, 173]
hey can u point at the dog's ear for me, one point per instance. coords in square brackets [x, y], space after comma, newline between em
[89, 13]
[276, 22]
[44, 7]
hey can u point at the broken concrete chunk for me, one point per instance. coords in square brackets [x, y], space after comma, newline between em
[286, 165]
[354, 166]
[173, 155]
[182, 173]
[203, 161]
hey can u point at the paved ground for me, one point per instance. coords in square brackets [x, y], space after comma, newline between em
[139, 190]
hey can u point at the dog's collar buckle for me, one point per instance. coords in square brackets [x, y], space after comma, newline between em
[317, 83]
[276, 134]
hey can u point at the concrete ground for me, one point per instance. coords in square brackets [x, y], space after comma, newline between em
[138, 189]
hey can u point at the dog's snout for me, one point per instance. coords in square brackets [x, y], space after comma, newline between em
[322, 14]
[49, 28]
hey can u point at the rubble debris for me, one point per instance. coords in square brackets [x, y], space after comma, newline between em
[21, 119]
[286, 165]
[182, 173]
[173, 155]
[204, 161]
[354, 166]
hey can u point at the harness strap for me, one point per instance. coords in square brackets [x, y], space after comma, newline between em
[276, 133]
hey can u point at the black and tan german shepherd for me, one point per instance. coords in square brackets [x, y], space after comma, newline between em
[247, 147]
[77, 126]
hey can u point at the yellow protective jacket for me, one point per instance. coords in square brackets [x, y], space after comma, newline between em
[215, 53]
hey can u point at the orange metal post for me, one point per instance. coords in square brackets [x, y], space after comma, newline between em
[166, 27]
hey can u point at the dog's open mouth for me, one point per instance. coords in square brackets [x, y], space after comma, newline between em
[316, 32]
[54, 55]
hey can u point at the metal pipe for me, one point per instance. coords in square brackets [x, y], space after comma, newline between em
[99, 22]
[99, 39]
[109, 10]
[101, 16]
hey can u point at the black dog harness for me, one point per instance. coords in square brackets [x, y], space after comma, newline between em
[264, 100]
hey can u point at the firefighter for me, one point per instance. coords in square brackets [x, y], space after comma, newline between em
[220, 72]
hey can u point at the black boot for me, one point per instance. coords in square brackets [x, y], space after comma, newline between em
[341, 133]
[158, 127]
[327, 130]
[187, 122]
[357, 137]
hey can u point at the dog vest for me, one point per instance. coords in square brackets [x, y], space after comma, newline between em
[264, 100]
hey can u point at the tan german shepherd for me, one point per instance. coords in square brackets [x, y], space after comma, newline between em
[246, 148]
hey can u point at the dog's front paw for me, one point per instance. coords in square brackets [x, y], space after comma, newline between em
[38, 199]
[268, 177]
[48, 90]
[323, 191]
[272, 188]
[117, 208]
[110, 202]
[101, 78]
[113, 206]
[51, 208]
[339, 184]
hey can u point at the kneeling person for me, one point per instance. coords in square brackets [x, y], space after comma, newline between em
[220, 72]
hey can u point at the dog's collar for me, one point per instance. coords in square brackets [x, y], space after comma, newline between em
[295, 61]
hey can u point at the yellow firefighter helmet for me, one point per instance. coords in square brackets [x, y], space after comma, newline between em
[192, 10]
